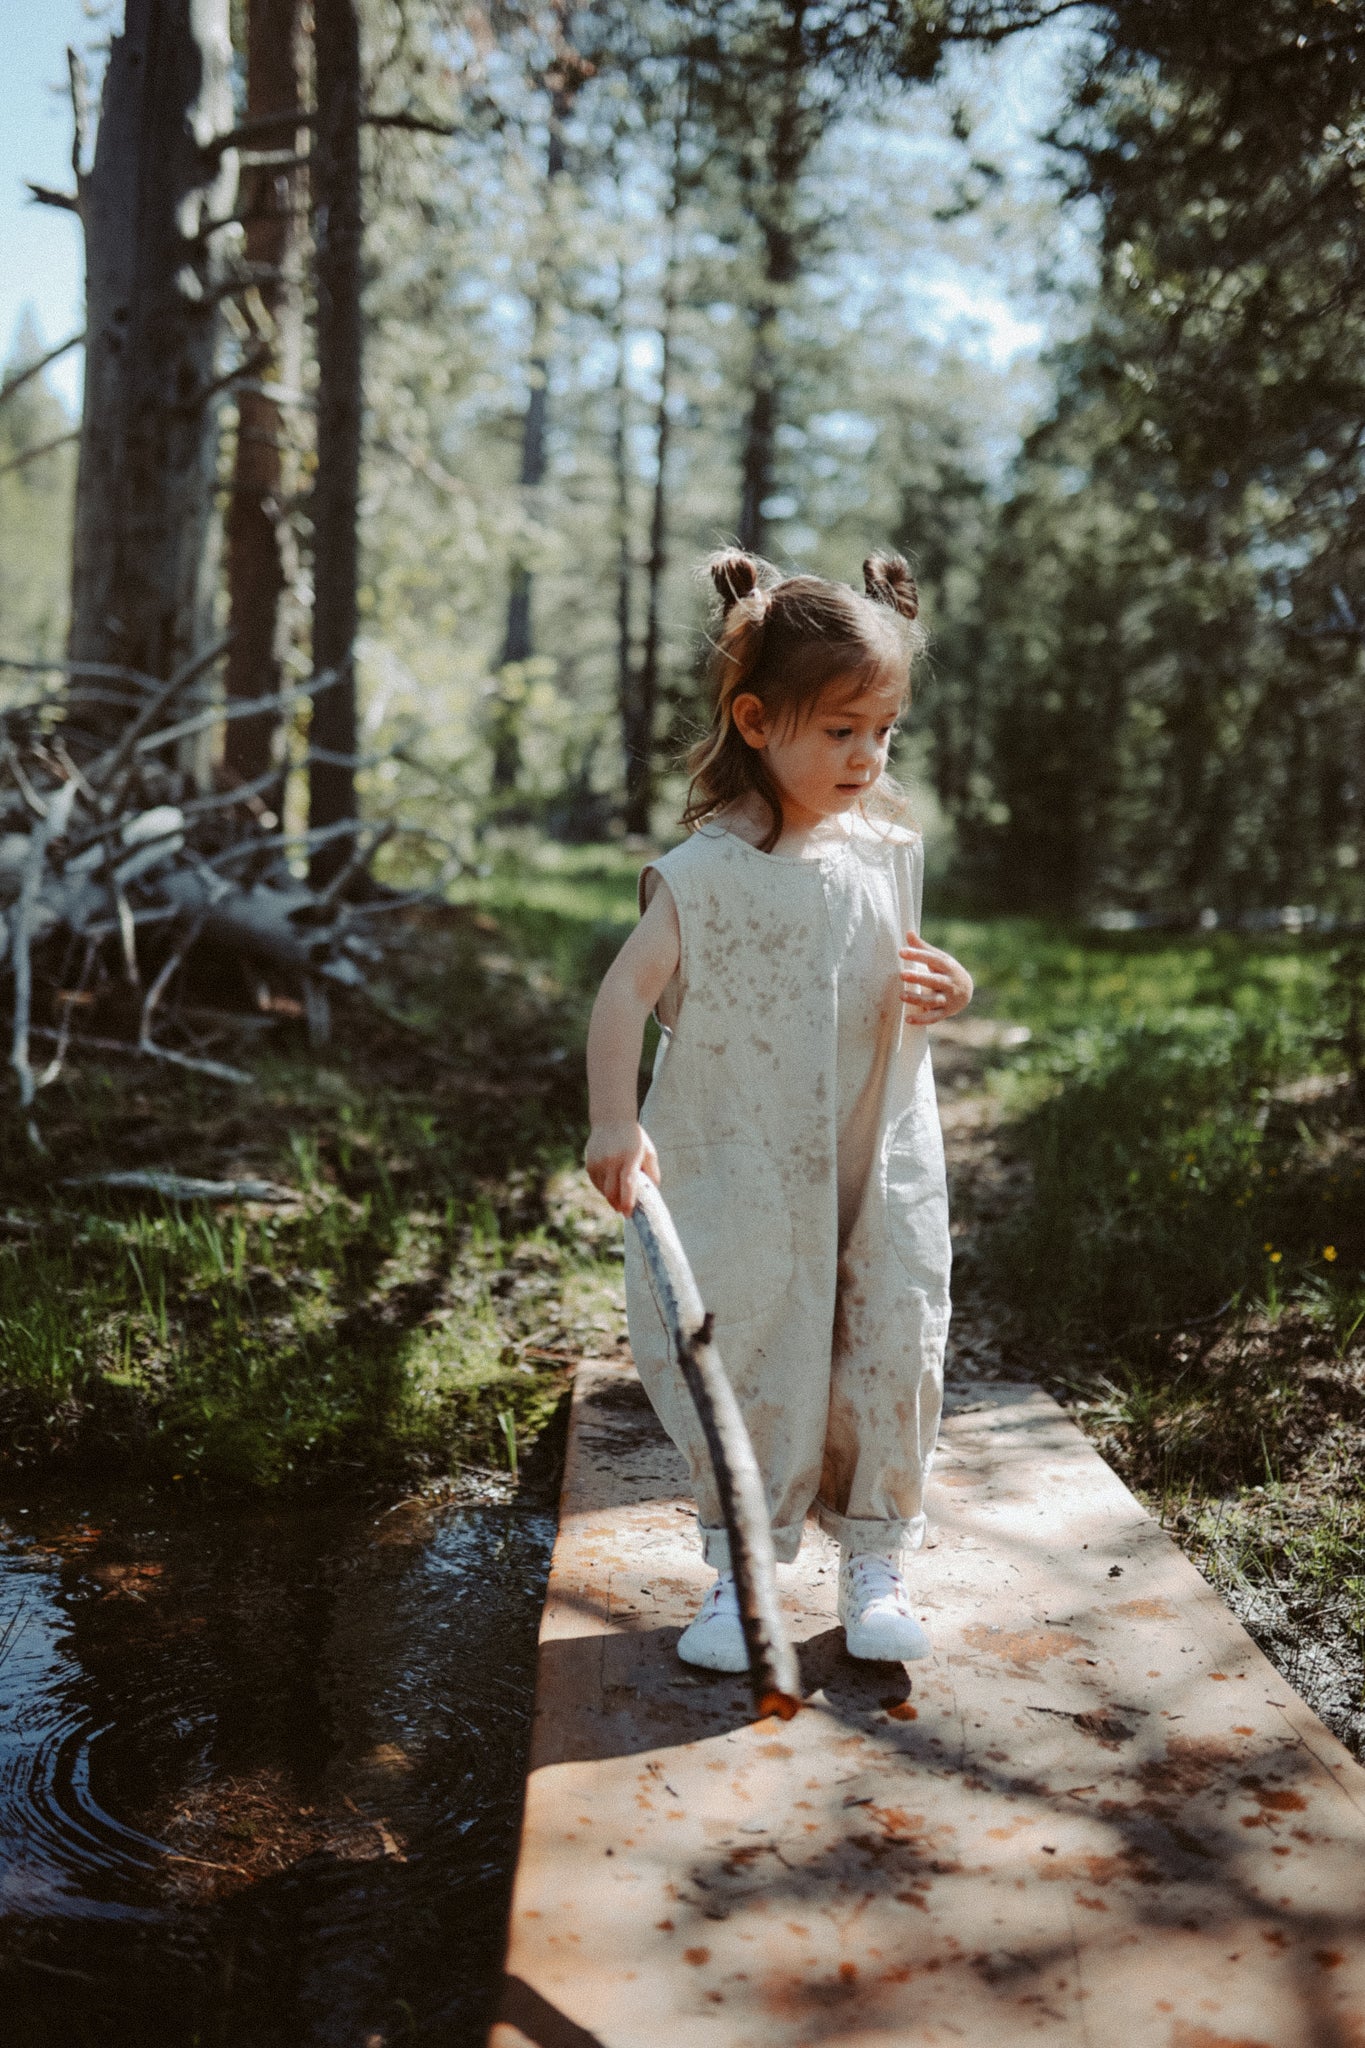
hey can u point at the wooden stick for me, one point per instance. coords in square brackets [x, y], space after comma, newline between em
[772, 1663]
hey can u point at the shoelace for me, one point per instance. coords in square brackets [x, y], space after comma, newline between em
[874, 1578]
[722, 1594]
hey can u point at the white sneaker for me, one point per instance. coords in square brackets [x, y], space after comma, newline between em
[874, 1607]
[715, 1640]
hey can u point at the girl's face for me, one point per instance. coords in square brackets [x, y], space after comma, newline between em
[824, 762]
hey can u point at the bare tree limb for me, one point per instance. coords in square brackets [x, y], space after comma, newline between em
[250, 364]
[69, 202]
[110, 670]
[21, 377]
[414, 124]
[250, 707]
[33, 454]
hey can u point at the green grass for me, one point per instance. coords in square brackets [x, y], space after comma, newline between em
[1172, 1170]
[394, 1320]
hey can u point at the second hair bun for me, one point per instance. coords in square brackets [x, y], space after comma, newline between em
[887, 580]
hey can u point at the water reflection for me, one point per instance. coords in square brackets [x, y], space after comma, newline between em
[260, 1774]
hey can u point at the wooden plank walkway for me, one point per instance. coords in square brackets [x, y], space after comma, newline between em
[1098, 1816]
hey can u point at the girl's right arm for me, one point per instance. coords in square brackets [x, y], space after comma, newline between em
[618, 1147]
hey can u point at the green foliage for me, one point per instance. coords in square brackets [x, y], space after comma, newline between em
[1166, 714]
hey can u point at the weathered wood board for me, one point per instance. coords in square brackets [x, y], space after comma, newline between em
[1098, 1817]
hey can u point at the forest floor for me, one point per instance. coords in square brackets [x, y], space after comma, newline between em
[1243, 1430]
[1157, 1160]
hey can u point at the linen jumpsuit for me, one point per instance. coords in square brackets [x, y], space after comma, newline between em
[794, 1114]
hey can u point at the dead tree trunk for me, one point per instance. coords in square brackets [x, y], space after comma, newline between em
[336, 493]
[260, 544]
[772, 199]
[519, 642]
[152, 204]
[625, 566]
[638, 726]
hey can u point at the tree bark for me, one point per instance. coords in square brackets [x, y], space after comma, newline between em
[625, 567]
[260, 545]
[774, 210]
[638, 729]
[143, 562]
[519, 642]
[337, 230]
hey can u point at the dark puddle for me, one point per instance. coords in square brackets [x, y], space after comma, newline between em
[260, 1772]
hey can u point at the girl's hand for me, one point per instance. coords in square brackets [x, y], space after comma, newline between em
[933, 985]
[616, 1153]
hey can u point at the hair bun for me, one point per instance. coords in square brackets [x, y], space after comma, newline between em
[887, 580]
[734, 574]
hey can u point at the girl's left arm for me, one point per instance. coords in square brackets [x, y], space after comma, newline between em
[934, 986]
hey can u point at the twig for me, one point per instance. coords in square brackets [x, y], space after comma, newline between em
[158, 988]
[43, 448]
[414, 124]
[244, 707]
[166, 693]
[111, 671]
[358, 858]
[126, 1046]
[316, 835]
[772, 1664]
[52, 825]
[250, 364]
[46, 196]
[21, 377]
[67, 1003]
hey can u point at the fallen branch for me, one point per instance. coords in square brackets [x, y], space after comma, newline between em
[242, 707]
[772, 1662]
[186, 1187]
[52, 825]
[215, 1070]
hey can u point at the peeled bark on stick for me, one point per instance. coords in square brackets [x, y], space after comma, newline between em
[152, 206]
[259, 543]
[773, 1675]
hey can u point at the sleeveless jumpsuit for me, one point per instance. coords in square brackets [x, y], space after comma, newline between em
[794, 1114]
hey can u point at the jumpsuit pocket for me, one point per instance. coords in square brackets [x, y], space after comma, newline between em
[728, 1204]
[917, 1194]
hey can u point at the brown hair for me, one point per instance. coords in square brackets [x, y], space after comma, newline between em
[785, 639]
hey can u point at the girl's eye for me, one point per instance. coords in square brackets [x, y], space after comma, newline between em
[839, 732]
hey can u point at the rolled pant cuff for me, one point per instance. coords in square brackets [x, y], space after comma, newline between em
[715, 1546]
[885, 1539]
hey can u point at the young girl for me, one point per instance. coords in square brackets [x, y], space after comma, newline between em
[792, 1123]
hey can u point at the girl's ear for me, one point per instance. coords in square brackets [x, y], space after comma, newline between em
[750, 720]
